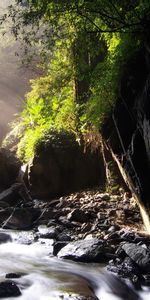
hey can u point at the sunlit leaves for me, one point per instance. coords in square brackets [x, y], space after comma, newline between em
[106, 78]
[84, 43]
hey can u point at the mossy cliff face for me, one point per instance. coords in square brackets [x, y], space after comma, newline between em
[127, 129]
[60, 165]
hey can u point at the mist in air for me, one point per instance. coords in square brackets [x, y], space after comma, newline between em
[14, 78]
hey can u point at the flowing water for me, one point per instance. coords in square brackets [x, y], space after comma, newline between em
[45, 277]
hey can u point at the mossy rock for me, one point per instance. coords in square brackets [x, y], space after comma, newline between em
[61, 165]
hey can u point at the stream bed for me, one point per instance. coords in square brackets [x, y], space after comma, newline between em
[45, 277]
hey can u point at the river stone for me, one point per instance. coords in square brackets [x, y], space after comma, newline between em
[127, 269]
[139, 254]
[47, 232]
[78, 215]
[58, 246]
[9, 289]
[62, 237]
[4, 238]
[84, 251]
[15, 275]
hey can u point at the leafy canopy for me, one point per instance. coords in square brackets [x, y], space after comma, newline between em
[85, 45]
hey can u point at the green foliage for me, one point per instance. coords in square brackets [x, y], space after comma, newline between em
[27, 143]
[51, 102]
[106, 78]
[86, 44]
[49, 105]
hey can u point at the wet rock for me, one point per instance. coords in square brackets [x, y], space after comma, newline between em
[146, 281]
[92, 250]
[78, 215]
[113, 236]
[119, 288]
[58, 246]
[20, 219]
[139, 254]
[66, 223]
[53, 222]
[120, 252]
[4, 238]
[63, 237]
[127, 269]
[25, 237]
[9, 289]
[46, 215]
[14, 275]
[127, 236]
[25, 240]
[47, 232]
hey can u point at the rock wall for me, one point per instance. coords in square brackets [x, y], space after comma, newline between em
[127, 130]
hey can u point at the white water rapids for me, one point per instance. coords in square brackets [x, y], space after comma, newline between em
[47, 278]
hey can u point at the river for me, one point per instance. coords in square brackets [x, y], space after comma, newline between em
[44, 277]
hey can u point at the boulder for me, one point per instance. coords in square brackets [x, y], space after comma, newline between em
[9, 168]
[20, 218]
[9, 289]
[60, 166]
[4, 238]
[127, 269]
[14, 194]
[139, 254]
[92, 250]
